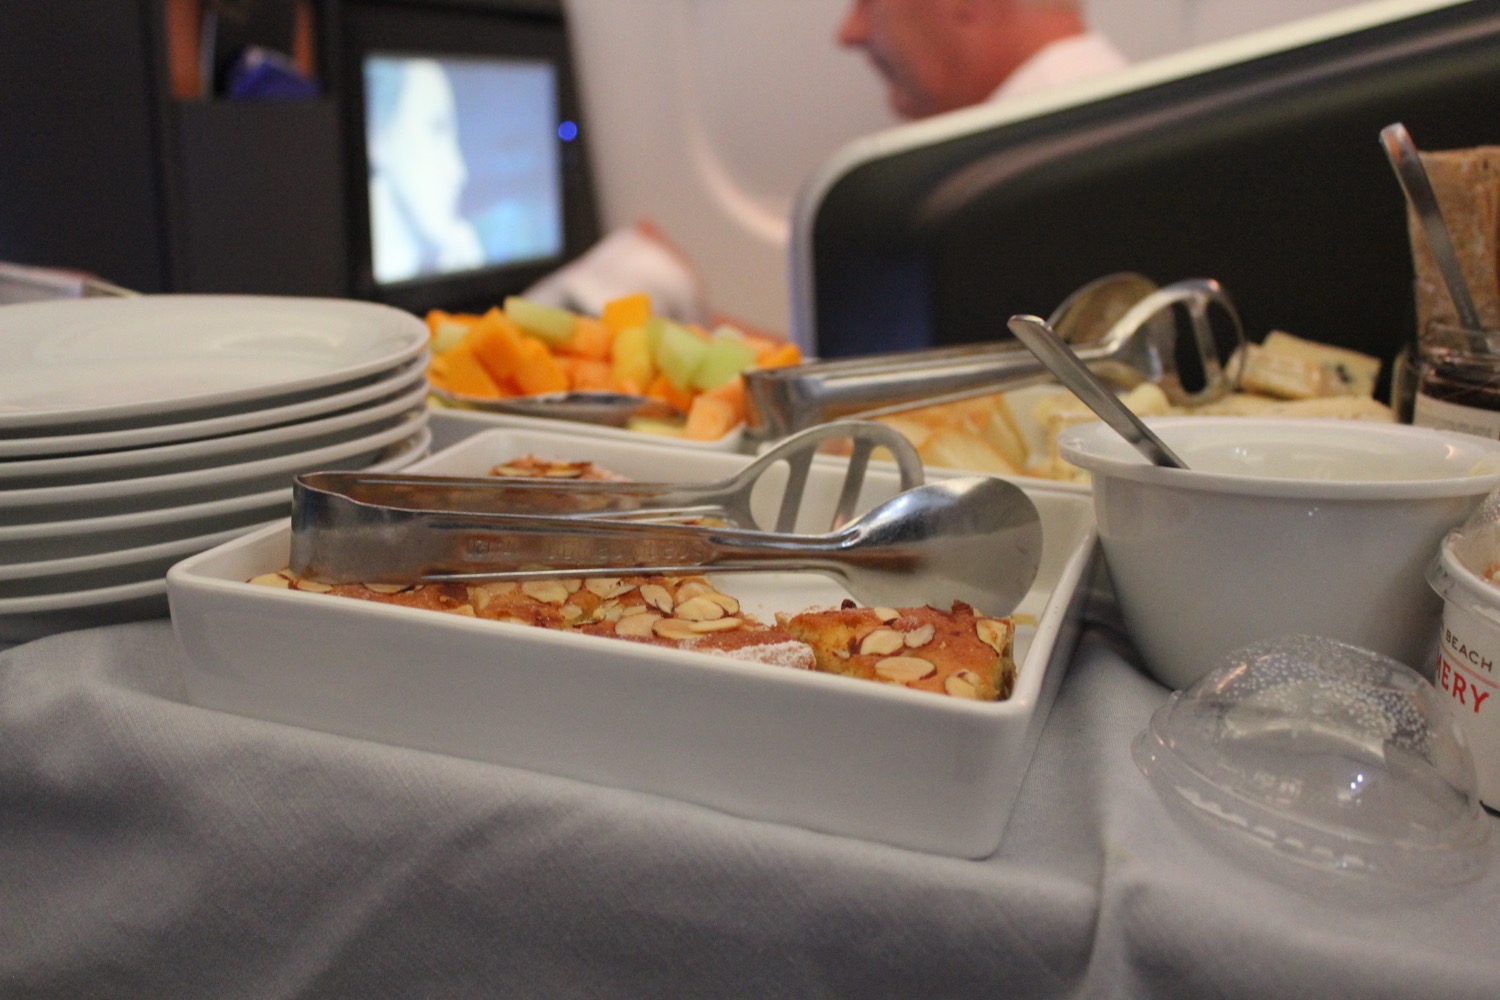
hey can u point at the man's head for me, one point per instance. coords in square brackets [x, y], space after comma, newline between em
[939, 55]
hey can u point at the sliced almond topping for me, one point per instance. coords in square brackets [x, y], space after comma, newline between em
[462, 610]
[729, 604]
[607, 586]
[638, 626]
[388, 588]
[903, 669]
[573, 584]
[481, 594]
[657, 597]
[963, 684]
[699, 609]
[994, 633]
[886, 614]
[312, 586]
[842, 654]
[510, 470]
[272, 580]
[919, 637]
[546, 591]
[563, 472]
[610, 612]
[674, 628]
[571, 611]
[716, 625]
[881, 641]
[694, 588]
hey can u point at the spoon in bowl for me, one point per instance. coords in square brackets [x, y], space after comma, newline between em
[1075, 375]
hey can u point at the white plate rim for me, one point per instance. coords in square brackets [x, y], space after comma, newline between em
[16, 610]
[412, 399]
[201, 478]
[15, 607]
[232, 423]
[122, 558]
[388, 321]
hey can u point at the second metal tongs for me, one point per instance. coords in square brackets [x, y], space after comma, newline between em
[1142, 345]
[319, 498]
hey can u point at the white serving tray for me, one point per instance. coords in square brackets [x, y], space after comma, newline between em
[829, 753]
[451, 425]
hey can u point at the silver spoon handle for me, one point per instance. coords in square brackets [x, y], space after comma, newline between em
[1073, 374]
[1407, 163]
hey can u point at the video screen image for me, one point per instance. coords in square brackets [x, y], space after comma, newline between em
[464, 163]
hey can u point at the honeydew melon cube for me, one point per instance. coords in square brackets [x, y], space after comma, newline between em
[549, 324]
[447, 335]
[728, 355]
[678, 352]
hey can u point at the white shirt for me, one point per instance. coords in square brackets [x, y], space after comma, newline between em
[1063, 61]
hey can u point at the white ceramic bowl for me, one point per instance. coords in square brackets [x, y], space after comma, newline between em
[1279, 527]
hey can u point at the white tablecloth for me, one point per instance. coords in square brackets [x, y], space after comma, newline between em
[152, 849]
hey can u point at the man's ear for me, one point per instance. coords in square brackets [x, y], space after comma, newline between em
[964, 12]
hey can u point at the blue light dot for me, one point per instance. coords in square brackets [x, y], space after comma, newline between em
[567, 131]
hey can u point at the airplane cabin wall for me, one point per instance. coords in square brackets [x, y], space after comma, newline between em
[705, 116]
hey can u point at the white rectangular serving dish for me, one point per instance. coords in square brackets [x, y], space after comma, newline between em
[451, 425]
[829, 753]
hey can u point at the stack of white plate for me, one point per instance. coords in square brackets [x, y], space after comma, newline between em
[137, 431]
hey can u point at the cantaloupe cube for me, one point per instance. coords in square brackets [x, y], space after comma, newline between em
[499, 345]
[626, 312]
[732, 392]
[590, 339]
[538, 371]
[780, 356]
[587, 374]
[661, 387]
[459, 371]
[709, 419]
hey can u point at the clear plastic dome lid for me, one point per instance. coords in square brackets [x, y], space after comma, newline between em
[1325, 754]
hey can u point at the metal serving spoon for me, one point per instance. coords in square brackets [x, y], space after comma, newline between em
[1407, 162]
[1075, 375]
[972, 539]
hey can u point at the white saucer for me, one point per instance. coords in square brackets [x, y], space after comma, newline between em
[55, 576]
[32, 616]
[178, 488]
[361, 392]
[147, 360]
[25, 618]
[234, 449]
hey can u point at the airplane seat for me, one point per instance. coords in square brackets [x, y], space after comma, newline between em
[1255, 162]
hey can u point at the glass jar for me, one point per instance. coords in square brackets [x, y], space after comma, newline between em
[1458, 381]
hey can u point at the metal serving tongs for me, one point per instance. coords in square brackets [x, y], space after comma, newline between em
[347, 502]
[1142, 345]
[975, 539]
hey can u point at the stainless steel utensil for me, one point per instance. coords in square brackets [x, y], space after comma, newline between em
[974, 539]
[315, 495]
[612, 409]
[1141, 346]
[1073, 373]
[1407, 162]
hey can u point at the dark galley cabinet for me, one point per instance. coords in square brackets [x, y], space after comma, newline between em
[104, 169]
